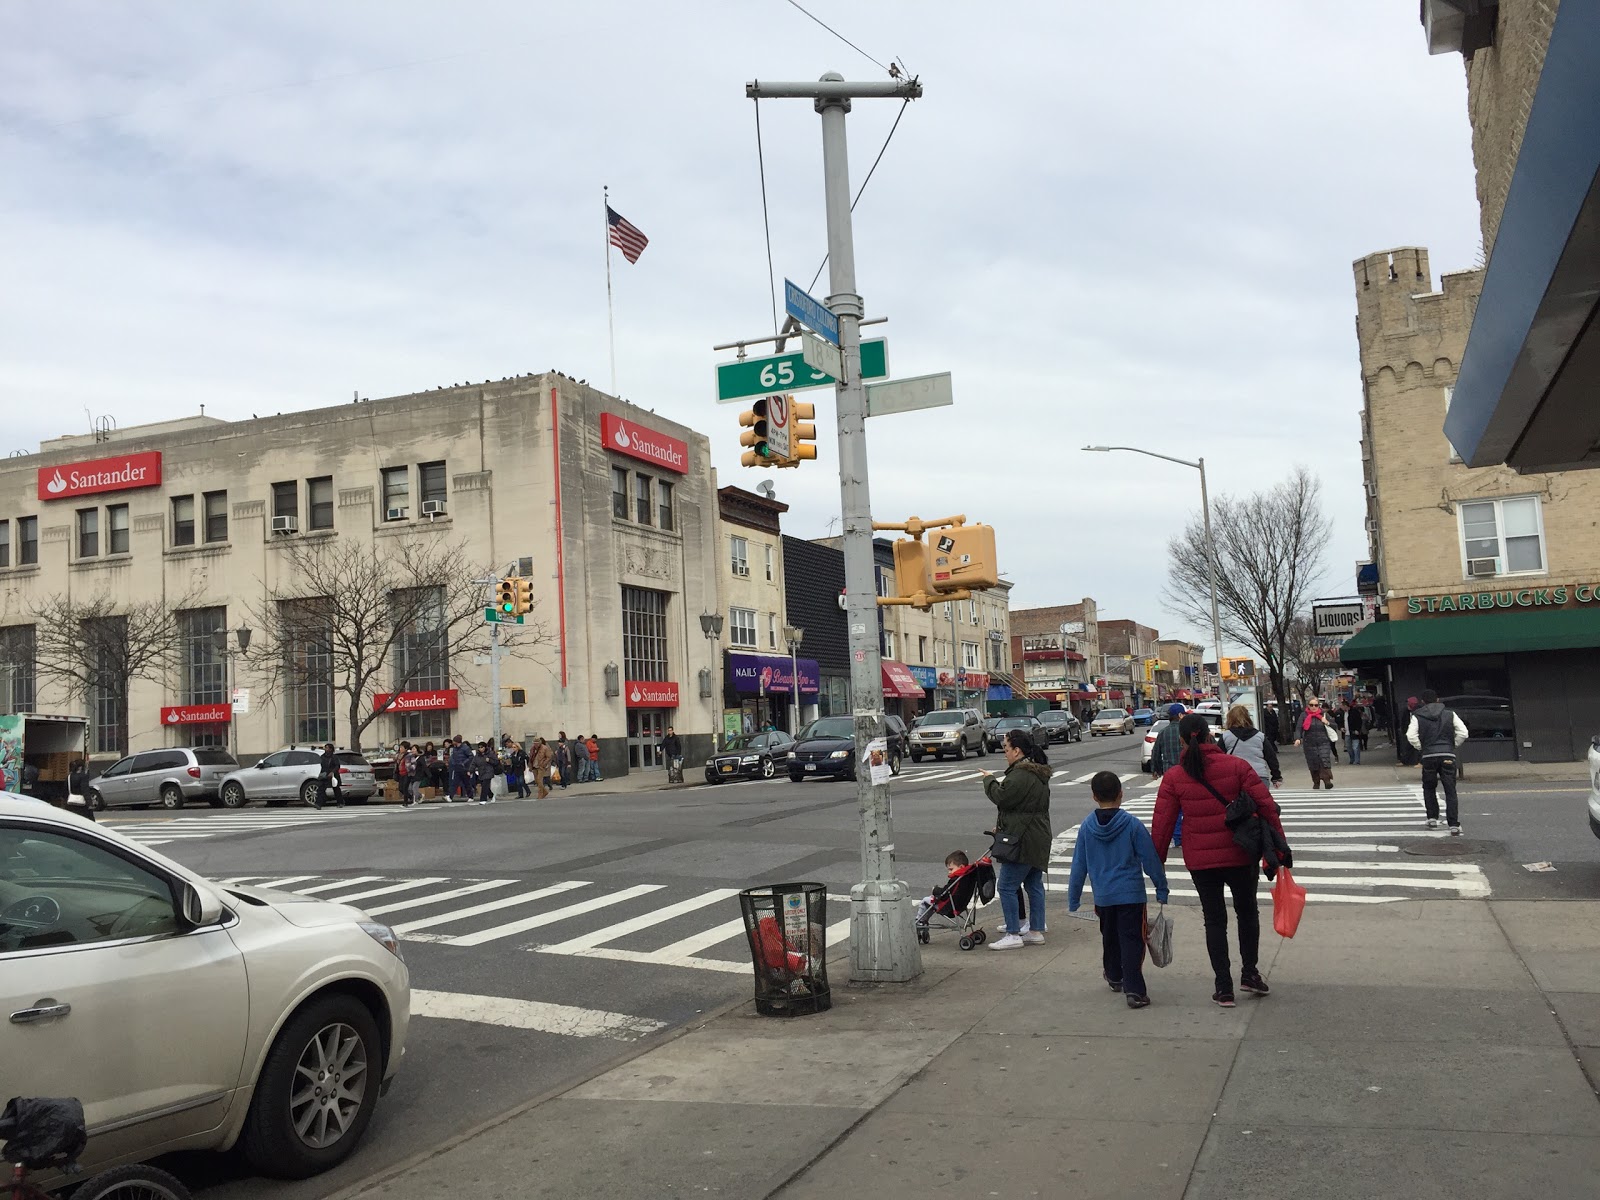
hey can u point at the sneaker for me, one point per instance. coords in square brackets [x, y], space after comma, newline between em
[1455, 831]
[1138, 1001]
[1254, 984]
[1033, 937]
[1010, 942]
[1222, 999]
[1433, 822]
[1114, 984]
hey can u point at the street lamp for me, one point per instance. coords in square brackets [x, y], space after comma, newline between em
[219, 642]
[1211, 545]
[794, 635]
[711, 626]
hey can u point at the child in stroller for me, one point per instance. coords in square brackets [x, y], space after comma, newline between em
[954, 903]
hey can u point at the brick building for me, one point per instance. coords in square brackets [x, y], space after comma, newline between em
[1056, 665]
[1126, 648]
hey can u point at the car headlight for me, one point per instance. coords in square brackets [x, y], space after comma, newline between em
[750, 758]
[840, 754]
[384, 936]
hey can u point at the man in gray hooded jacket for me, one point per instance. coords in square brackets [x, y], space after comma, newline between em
[1436, 731]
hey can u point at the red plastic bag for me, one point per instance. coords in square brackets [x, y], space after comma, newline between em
[1288, 903]
[772, 951]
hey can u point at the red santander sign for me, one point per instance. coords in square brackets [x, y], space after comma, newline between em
[197, 714]
[638, 442]
[656, 694]
[404, 702]
[101, 475]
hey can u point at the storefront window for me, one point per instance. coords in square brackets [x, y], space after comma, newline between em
[1478, 690]
[644, 634]
[205, 669]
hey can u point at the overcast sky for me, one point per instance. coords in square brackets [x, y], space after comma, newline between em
[1113, 222]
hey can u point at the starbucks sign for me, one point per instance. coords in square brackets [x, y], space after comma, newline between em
[1562, 596]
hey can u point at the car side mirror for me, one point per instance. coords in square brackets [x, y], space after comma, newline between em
[198, 906]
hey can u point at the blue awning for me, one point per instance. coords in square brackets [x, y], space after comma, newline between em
[1524, 394]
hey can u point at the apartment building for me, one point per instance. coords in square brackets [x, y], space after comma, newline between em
[1055, 654]
[1126, 648]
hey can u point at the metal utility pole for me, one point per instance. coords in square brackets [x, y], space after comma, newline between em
[1211, 561]
[883, 944]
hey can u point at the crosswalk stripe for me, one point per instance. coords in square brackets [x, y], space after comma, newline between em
[461, 914]
[388, 890]
[599, 937]
[342, 883]
[532, 1014]
[284, 882]
[483, 885]
[539, 920]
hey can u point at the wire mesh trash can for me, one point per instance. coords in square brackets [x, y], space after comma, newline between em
[786, 926]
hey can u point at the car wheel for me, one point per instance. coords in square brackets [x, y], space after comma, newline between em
[233, 795]
[710, 778]
[308, 793]
[768, 768]
[960, 751]
[915, 757]
[171, 796]
[795, 777]
[894, 765]
[983, 751]
[316, 1091]
[96, 800]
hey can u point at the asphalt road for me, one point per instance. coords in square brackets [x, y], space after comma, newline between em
[692, 848]
[598, 921]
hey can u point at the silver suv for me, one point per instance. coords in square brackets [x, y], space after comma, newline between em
[954, 731]
[170, 778]
[291, 773]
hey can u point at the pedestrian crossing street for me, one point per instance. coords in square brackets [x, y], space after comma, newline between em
[1345, 845]
[647, 923]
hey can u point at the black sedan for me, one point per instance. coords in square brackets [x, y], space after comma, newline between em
[1061, 726]
[995, 730]
[750, 756]
[826, 749]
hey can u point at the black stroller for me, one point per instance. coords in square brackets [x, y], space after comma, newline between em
[955, 903]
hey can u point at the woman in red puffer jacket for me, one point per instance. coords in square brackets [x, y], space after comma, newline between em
[1213, 859]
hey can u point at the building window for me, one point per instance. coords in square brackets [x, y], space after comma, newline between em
[216, 516]
[27, 541]
[969, 656]
[769, 564]
[431, 477]
[205, 668]
[396, 493]
[1502, 537]
[644, 634]
[106, 639]
[664, 502]
[888, 643]
[922, 648]
[306, 632]
[17, 671]
[117, 529]
[286, 500]
[740, 559]
[88, 532]
[619, 493]
[183, 520]
[422, 656]
[772, 631]
[319, 502]
[972, 611]
[742, 627]
[5, 543]
[641, 498]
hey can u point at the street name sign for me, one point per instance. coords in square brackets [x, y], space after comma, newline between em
[789, 373]
[820, 356]
[779, 425]
[908, 395]
[495, 617]
[810, 312]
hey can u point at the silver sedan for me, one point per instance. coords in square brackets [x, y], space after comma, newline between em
[1111, 720]
[291, 774]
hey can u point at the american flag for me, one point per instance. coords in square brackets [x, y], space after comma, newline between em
[625, 236]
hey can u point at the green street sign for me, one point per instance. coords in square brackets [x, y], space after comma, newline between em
[789, 373]
[495, 616]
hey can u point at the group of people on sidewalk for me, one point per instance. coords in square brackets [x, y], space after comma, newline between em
[462, 771]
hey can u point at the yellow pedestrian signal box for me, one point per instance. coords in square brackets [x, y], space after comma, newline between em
[911, 571]
[758, 453]
[802, 433]
[1238, 668]
[521, 596]
[505, 597]
[962, 557]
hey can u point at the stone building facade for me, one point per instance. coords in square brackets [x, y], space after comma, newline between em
[1061, 667]
[608, 509]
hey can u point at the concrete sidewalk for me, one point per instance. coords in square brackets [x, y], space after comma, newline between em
[1380, 766]
[1430, 1049]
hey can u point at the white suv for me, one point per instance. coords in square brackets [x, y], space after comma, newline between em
[186, 1016]
[954, 731]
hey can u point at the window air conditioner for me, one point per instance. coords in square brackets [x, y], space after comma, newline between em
[1477, 567]
[285, 524]
[1372, 489]
[395, 514]
[741, 570]
[433, 508]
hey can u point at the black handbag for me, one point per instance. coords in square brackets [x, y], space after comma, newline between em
[1006, 847]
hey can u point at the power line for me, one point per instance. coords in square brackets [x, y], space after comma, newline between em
[903, 105]
[766, 222]
[840, 36]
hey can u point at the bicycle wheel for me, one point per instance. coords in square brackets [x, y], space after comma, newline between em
[133, 1182]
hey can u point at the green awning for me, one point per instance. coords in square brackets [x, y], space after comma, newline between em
[1484, 633]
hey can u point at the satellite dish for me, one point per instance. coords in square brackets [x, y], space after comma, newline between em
[766, 489]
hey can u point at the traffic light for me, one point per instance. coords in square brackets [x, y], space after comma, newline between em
[758, 452]
[962, 557]
[521, 597]
[505, 597]
[802, 433]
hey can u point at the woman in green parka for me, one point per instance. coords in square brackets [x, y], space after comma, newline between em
[1022, 796]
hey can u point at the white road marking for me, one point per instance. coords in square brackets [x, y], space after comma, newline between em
[453, 894]
[611, 933]
[284, 882]
[539, 920]
[342, 883]
[389, 890]
[536, 1015]
[461, 914]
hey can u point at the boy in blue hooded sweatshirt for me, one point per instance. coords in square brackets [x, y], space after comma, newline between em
[1115, 852]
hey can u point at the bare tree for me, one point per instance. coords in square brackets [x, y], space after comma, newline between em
[1301, 655]
[98, 647]
[1270, 547]
[364, 620]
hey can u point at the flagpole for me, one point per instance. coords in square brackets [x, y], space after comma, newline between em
[611, 320]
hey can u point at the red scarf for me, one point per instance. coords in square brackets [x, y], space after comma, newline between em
[1306, 724]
